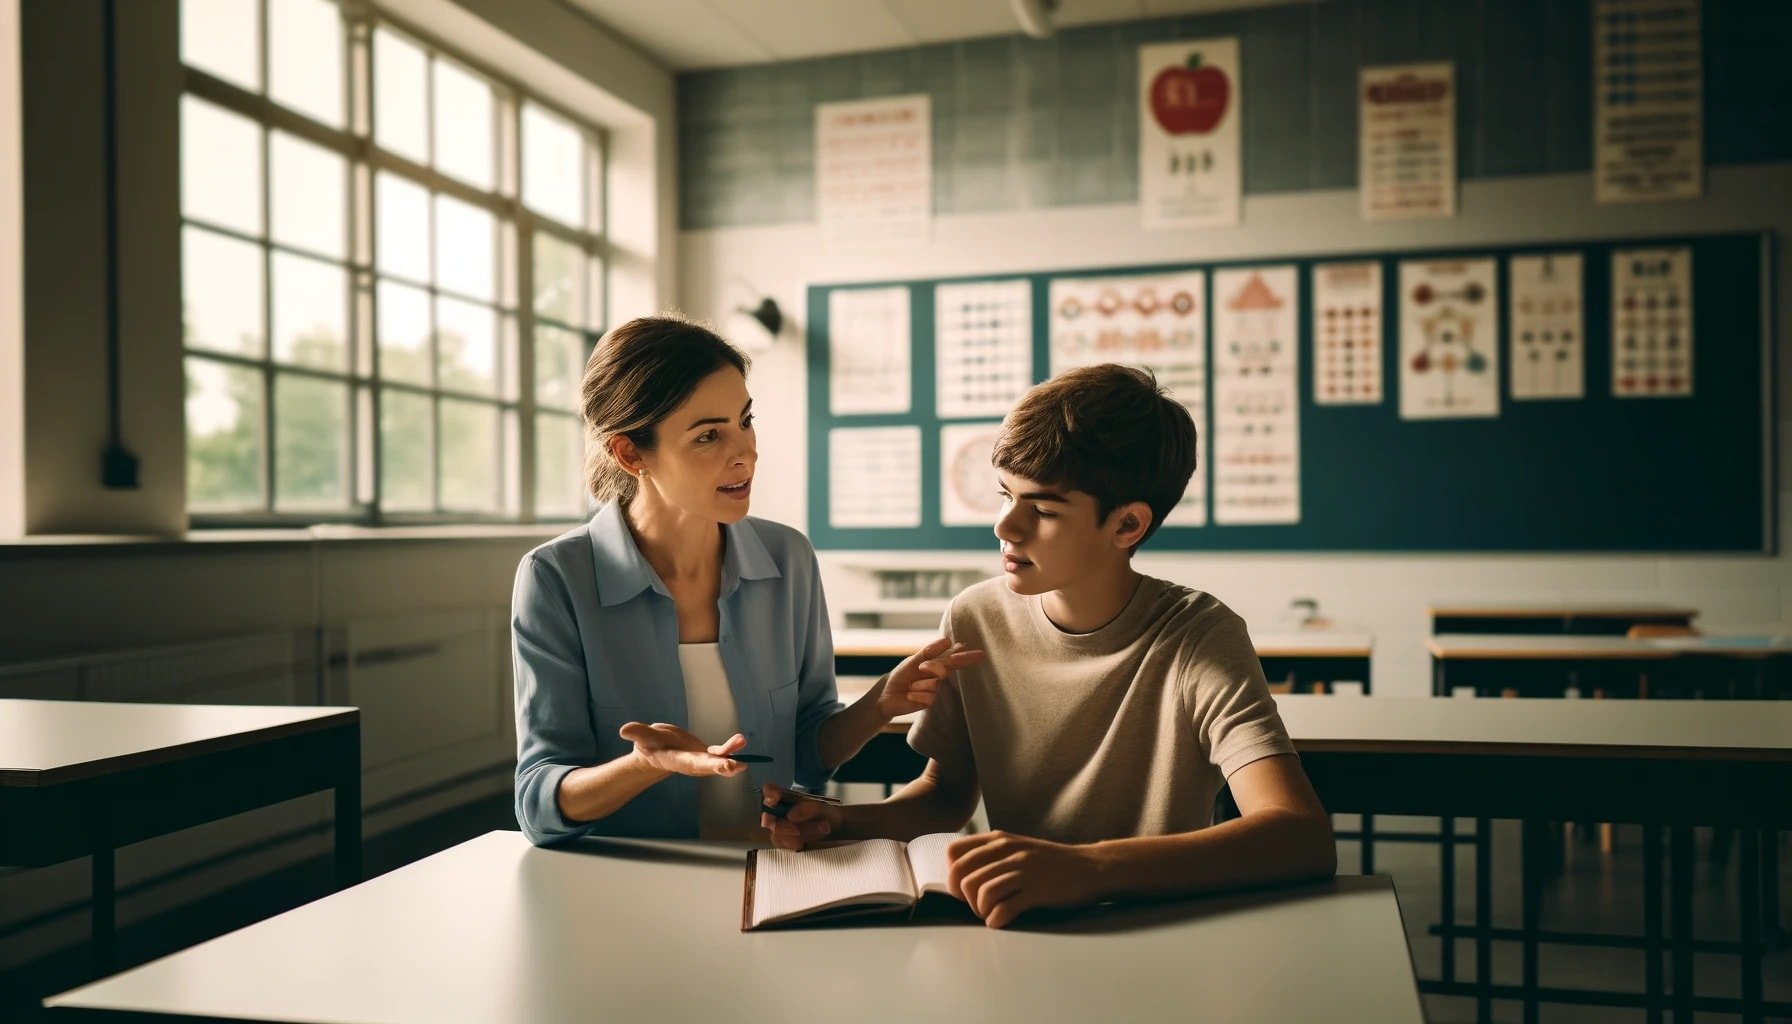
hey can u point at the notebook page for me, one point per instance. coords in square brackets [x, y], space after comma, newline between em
[790, 882]
[927, 859]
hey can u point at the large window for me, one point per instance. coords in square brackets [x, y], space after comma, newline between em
[392, 267]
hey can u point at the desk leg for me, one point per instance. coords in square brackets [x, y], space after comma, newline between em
[1749, 895]
[1447, 896]
[105, 909]
[1770, 887]
[1652, 922]
[1680, 893]
[1532, 885]
[1368, 841]
[1484, 919]
[348, 829]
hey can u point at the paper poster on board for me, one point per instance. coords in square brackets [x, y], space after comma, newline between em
[1152, 321]
[1449, 351]
[1190, 96]
[1256, 397]
[1545, 326]
[1648, 110]
[874, 171]
[874, 477]
[983, 347]
[1347, 333]
[1407, 149]
[868, 350]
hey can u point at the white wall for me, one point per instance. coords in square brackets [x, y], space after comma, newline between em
[1386, 594]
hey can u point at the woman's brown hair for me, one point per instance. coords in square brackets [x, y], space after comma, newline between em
[638, 373]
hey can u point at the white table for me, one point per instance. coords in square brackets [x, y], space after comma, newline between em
[1666, 765]
[83, 778]
[494, 930]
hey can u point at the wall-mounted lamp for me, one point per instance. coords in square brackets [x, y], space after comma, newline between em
[768, 314]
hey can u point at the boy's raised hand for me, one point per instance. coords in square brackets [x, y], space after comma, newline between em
[671, 749]
[805, 823]
[1001, 875]
[913, 684]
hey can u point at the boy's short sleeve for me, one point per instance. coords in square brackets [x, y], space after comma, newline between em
[940, 732]
[1225, 692]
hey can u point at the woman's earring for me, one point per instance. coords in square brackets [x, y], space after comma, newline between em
[643, 474]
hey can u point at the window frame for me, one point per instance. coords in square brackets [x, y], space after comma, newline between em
[515, 226]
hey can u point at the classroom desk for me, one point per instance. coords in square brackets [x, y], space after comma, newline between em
[1662, 764]
[82, 778]
[1542, 663]
[494, 930]
[1307, 658]
[1570, 618]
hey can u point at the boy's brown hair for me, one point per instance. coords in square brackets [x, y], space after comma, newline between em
[1107, 430]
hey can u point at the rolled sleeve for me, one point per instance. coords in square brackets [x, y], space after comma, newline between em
[817, 696]
[554, 731]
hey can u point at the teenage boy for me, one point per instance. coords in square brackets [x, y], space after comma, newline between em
[1111, 707]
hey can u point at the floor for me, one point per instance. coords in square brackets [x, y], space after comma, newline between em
[1593, 892]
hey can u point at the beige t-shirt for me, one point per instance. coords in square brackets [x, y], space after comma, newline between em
[1127, 731]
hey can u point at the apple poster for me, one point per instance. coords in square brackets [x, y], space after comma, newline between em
[1189, 97]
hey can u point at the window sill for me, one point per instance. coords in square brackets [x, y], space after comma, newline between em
[197, 540]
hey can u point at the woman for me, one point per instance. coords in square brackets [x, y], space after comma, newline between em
[672, 631]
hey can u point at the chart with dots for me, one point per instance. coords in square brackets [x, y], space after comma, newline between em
[1546, 326]
[1347, 333]
[1153, 321]
[1652, 323]
[984, 347]
[1449, 349]
[1256, 421]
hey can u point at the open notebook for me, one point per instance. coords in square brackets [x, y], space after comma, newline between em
[870, 876]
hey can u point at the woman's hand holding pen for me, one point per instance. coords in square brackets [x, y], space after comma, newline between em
[912, 685]
[805, 823]
[671, 749]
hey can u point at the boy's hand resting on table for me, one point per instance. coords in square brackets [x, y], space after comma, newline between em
[671, 749]
[1001, 874]
[912, 685]
[806, 822]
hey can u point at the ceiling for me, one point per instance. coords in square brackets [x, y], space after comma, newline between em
[688, 35]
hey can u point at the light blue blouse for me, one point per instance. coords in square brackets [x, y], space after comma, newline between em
[594, 639]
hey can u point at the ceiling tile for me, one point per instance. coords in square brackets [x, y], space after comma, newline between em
[682, 34]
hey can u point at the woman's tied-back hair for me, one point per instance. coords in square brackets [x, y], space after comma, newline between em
[1107, 430]
[638, 373]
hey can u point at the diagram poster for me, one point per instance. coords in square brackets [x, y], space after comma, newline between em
[1153, 321]
[1449, 349]
[1546, 326]
[1256, 418]
[969, 488]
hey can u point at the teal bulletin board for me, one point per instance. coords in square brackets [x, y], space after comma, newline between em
[1599, 473]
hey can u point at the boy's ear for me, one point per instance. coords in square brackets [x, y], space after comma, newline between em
[1130, 521]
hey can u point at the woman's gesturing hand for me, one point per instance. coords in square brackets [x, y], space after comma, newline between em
[671, 749]
[912, 685]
